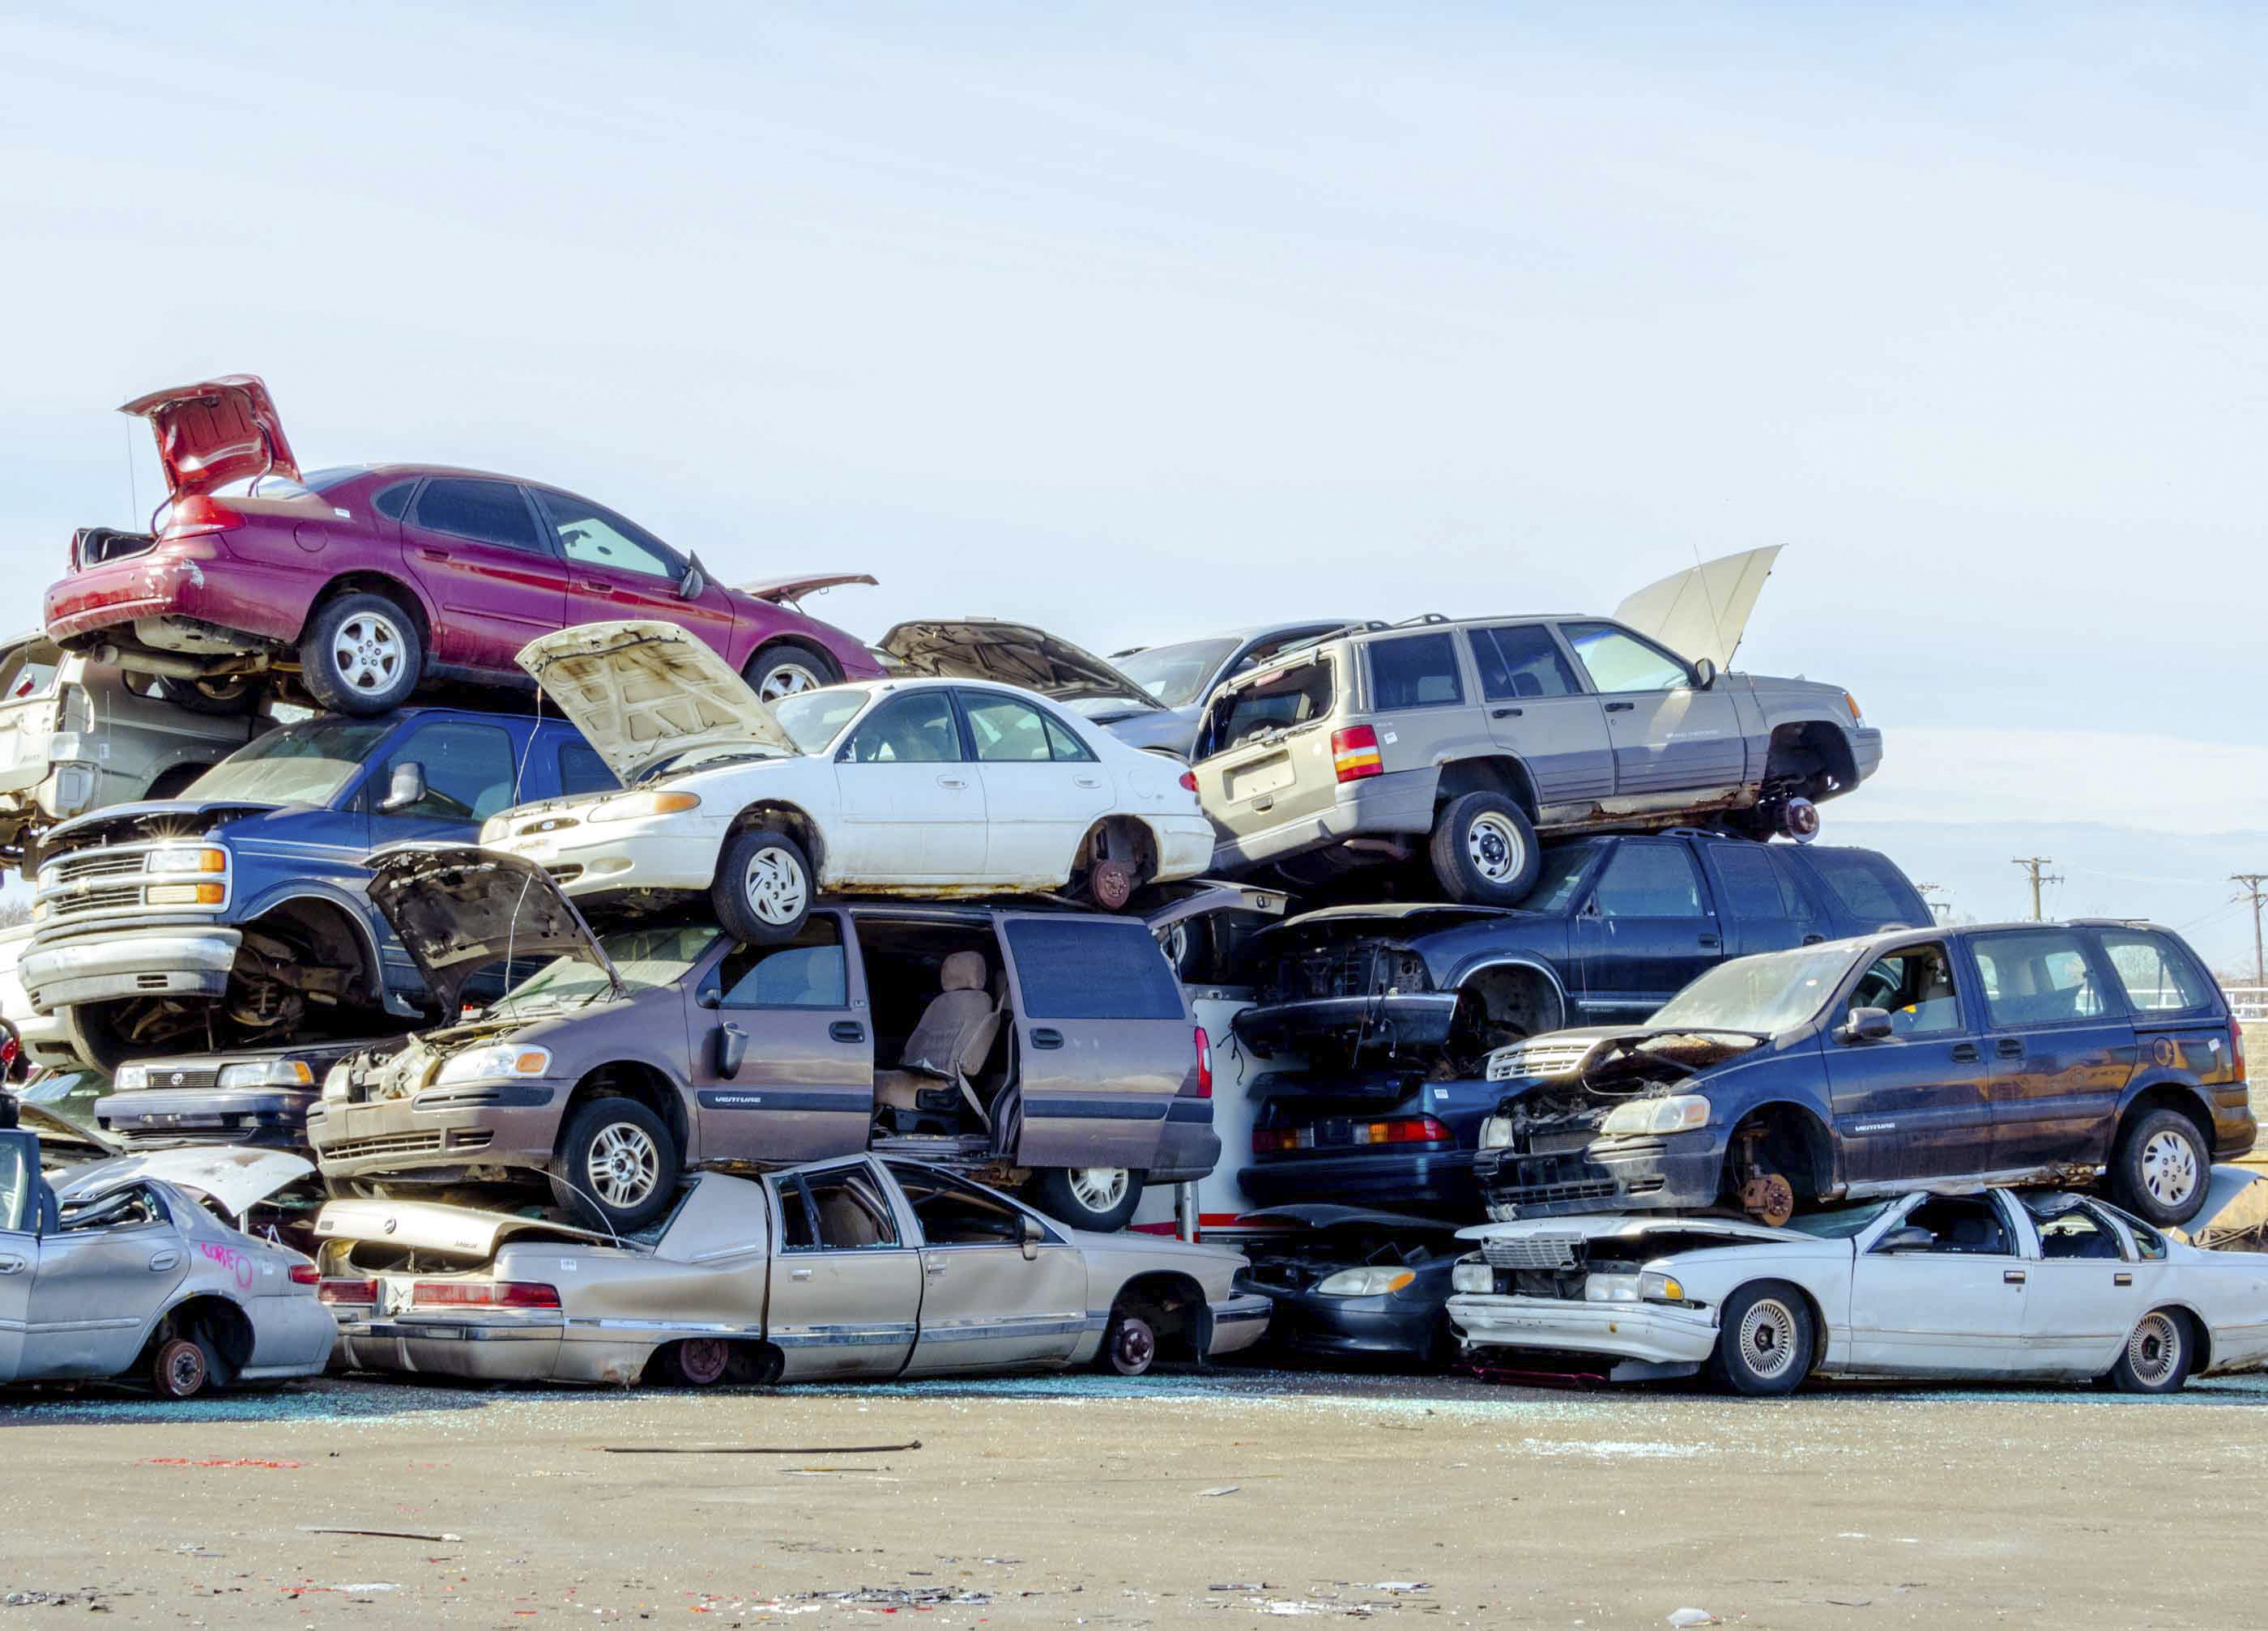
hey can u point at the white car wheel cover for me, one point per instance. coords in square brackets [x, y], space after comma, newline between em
[1098, 1188]
[2169, 1169]
[1767, 1338]
[624, 1165]
[2154, 1349]
[367, 651]
[775, 886]
[1494, 846]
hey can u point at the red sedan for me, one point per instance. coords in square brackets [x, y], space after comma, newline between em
[365, 581]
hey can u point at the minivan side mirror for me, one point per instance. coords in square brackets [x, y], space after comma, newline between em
[695, 580]
[1913, 1237]
[406, 788]
[1032, 1234]
[731, 1050]
[1704, 674]
[1867, 1025]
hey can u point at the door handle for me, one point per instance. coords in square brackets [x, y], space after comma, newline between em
[1620, 708]
[1086, 781]
[1814, 940]
[798, 1274]
[1047, 1037]
[159, 1260]
[2010, 1048]
[953, 781]
[934, 1270]
[1965, 1054]
[2122, 1280]
[594, 586]
[847, 1030]
[431, 554]
[1504, 713]
[2013, 1276]
[13, 1264]
[1711, 942]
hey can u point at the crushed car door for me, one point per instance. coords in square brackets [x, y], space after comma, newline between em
[1539, 712]
[19, 1243]
[801, 1086]
[104, 1272]
[1912, 1104]
[1042, 788]
[913, 804]
[2086, 1294]
[1000, 1288]
[846, 1285]
[1668, 735]
[1951, 1305]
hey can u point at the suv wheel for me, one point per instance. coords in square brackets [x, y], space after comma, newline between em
[361, 655]
[763, 888]
[785, 669]
[1100, 1199]
[618, 1163]
[1484, 850]
[2159, 1169]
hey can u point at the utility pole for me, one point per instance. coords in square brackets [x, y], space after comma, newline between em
[2252, 884]
[2032, 864]
[1941, 910]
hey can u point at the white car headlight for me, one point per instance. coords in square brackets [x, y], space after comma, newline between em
[1653, 1286]
[1496, 1133]
[495, 827]
[1680, 1113]
[1473, 1275]
[177, 858]
[131, 1079]
[1365, 1281]
[275, 1073]
[498, 1061]
[336, 1085]
[1611, 1289]
[633, 807]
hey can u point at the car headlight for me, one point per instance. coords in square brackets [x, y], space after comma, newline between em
[1660, 1288]
[1365, 1281]
[1496, 1133]
[631, 806]
[186, 858]
[274, 1073]
[1473, 1275]
[131, 1079]
[497, 1061]
[495, 827]
[336, 1084]
[1680, 1113]
[1611, 1289]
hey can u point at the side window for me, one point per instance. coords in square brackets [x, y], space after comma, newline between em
[2038, 977]
[1091, 968]
[1792, 899]
[1753, 885]
[1063, 742]
[2149, 1245]
[1858, 880]
[392, 501]
[1617, 660]
[583, 771]
[1414, 671]
[1522, 660]
[1006, 730]
[2156, 975]
[808, 972]
[1914, 985]
[1649, 879]
[491, 512]
[951, 1213]
[915, 728]
[19, 1184]
[597, 536]
[134, 1207]
[1967, 1225]
[845, 1212]
[2069, 1227]
[468, 771]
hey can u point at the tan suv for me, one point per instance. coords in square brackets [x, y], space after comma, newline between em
[1470, 737]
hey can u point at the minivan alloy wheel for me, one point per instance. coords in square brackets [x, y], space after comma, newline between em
[776, 888]
[1494, 846]
[2169, 1169]
[623, 1165]
[368, 651]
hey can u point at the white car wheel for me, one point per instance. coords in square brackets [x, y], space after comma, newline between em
[1767, 1338]
[778, 892]
[2160, 1351]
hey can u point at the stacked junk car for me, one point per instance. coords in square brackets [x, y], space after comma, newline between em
[472, 938]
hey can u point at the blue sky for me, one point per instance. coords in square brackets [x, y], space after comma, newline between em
[1134, 323]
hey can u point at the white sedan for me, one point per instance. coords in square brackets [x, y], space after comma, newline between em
[1994, 1283]
[922, 786]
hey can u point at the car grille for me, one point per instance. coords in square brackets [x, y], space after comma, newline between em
[1534, 1251]
[104, 882]
[419, 1143]
[1547, 1056]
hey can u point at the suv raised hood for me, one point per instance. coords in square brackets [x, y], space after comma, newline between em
[1703, 610]
[641, 691]
[458, 907]
[223, 431]
[1013, 654]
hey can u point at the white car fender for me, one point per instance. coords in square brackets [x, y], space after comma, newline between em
[1822, 1271]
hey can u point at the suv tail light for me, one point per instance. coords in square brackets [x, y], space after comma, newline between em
[196, 515]
[482, 1294]
[1354, 752]
[1204, 1064]
[2236, 1051]
[344, 1290]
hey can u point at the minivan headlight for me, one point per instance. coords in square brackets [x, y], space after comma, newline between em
[1680, 1113]
[1365, 1281]
[498, 1061]
[1473, 1275]
[632, 806]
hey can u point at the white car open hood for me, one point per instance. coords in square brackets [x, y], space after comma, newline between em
[1703, 610]
[239, 1177]
[451, 1230]
[643, 689]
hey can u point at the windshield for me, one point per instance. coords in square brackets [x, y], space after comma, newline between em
[1837, 1223]
[812, 719]
[1765, 995]
[645, 958]
[302, 764]
[1177, 675]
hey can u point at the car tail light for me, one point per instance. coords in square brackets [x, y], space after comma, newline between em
[1400, 1130]
[306, 1274]
[1266, 1141]
[344, 1290]
[1188, 781]
[1354, 752]
[1204, 1064]
[196, 515]
[2235, 1052]
[482, 1294]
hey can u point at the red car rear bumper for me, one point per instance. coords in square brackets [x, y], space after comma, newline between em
[193, 580]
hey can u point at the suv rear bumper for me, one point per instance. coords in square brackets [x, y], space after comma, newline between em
[477, 1124]
[159, 962]
[1187, 1148]
[1400, 802]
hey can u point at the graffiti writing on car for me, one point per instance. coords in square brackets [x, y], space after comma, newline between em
[233, 1261]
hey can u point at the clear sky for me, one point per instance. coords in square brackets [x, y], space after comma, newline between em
[1134, 321]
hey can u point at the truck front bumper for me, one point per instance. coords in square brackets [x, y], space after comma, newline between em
[157, 962]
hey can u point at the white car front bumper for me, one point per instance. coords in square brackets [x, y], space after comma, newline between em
[1649, 1331]
[661, 853]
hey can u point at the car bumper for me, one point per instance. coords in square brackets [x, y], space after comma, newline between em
[1238, 1322]
[1644, 1331]
[192, 962]
[1187, 1148]
[1866, 751]
[1400, 802]
[476, 1124]
[160, 1118]
[1386, 1327]
[1640, 1174]
[2235, 1131]
[292, 1336]
[1442, 1179]
[197, 581]
[487, 1348]
[1185, 845]
[661, 854]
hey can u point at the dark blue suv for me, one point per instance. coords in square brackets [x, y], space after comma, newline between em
[239, 913]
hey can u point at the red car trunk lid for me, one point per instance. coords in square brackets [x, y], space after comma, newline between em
[222, 430]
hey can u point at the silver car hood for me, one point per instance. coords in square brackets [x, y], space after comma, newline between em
[639, 690]
[1703, 610]
[240, 1178]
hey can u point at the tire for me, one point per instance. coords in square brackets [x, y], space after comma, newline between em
[2159, 1169]
[361, 655]
[1484, 851]
[12, 1067]
[783, 668]
[618, 1164]
[237, 694]
[1129, 1341]
[697, 1361]
[1765, 1340]
[2160, 1353]
[1098, 1199]
[182, 1368]
[763, 888]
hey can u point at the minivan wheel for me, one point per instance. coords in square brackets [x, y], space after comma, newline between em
[1100, 1199]
[785, 669]
[1484, 850]
[361, 655]
[617, 1164]
[763, 888]
[2158, 1354]
[2161, 1169]
[1765, 1337]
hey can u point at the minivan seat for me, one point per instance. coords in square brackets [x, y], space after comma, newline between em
[952, 1041]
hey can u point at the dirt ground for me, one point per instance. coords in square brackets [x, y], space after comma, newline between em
[1221, 1498]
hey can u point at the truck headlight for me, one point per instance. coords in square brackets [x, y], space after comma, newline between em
[1680, 1113]
[1659, 1288]
[1473, 1275]
[1496, 1133]
[632, 806]
[175, 858]
[274, 1073]
[131, 1079]
[496, 1061]
[1365, 1281]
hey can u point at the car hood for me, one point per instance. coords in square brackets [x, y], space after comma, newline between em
[1703, 610]
[238, 1178]
[458, 907]
[163, 818]
[220, 431]
[60, 1136]
[643, 689]
[450, 1230]
[1011, 654]
[787, 591]
[1578, 1051]
[1612, 1225]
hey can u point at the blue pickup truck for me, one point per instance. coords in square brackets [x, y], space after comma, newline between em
[238, 914]
[1386, 1015]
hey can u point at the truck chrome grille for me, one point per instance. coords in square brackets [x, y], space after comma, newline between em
[1534, 1251]
[1547, 1056]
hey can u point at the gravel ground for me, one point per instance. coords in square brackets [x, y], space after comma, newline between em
[1223, 1498]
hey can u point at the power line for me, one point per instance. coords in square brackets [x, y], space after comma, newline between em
[2033, 864]
[2252, 894]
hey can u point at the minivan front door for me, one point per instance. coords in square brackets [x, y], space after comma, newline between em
[1668, 735]
[797, 1083]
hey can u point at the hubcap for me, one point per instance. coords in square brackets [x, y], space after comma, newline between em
[776, 888]
[1768, 1338]
[2154, 1350]
[2169, 1169]
[1136, 1347]
[1098, 1188]
[787, 680]
[624, 1165]
[1495, 846]
[367, 651]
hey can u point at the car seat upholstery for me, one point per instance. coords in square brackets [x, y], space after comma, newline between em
[951, 1039]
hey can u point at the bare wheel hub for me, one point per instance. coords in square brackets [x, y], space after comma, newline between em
[1112, 884]
[1769, 1199]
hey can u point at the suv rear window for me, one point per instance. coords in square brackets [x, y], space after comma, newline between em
[1295, 697]
[1088, 969]
[1416, 671]
[2158, 975]
[1870, 888]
